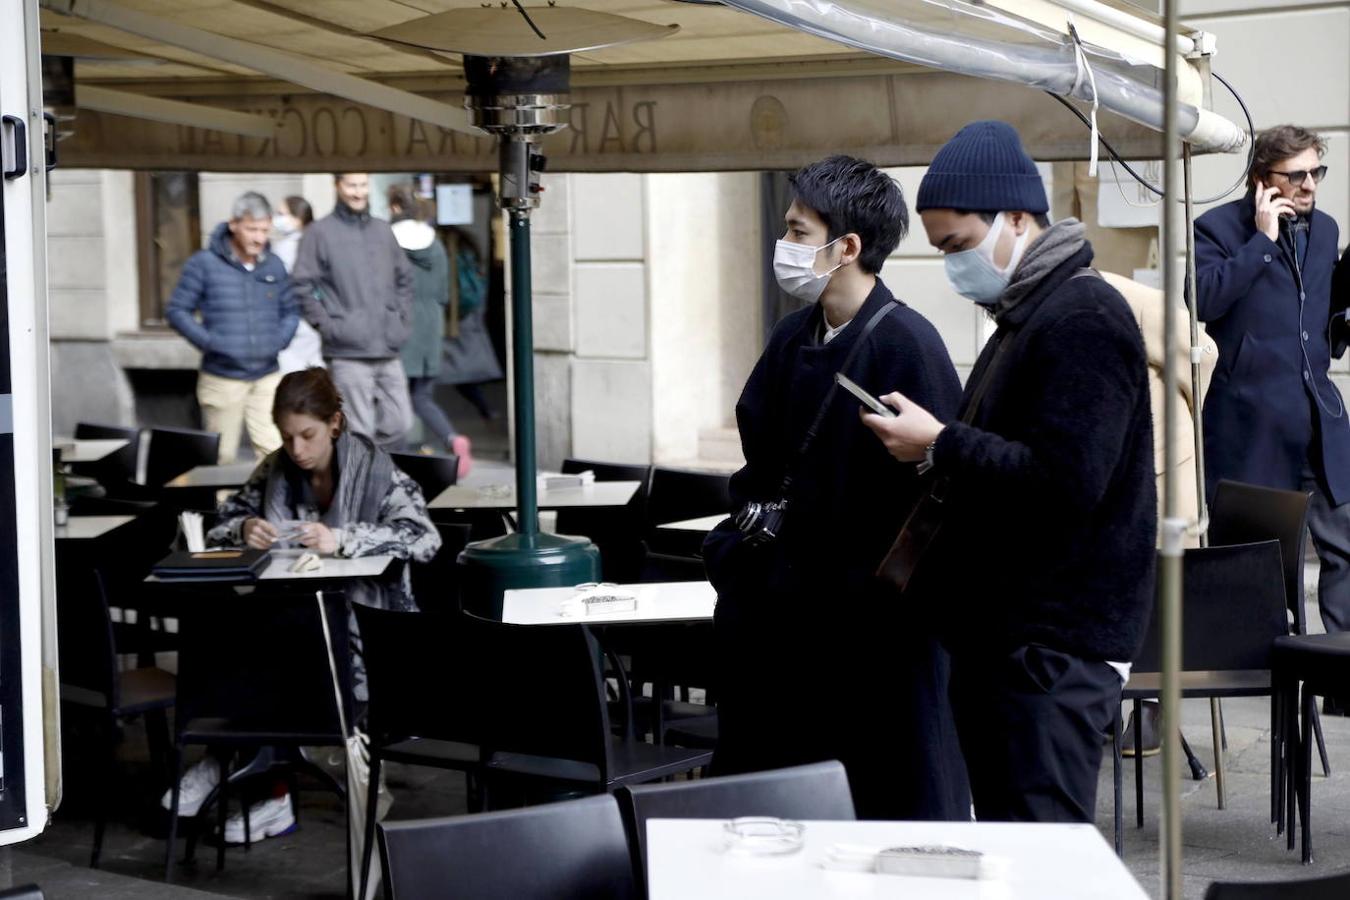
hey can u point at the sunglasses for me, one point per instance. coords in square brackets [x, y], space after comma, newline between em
[1296, 178]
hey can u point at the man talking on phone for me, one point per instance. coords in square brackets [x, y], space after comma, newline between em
[1263, 287]
[815, 660]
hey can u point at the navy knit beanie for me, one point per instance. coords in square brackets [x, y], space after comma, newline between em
[983, 168]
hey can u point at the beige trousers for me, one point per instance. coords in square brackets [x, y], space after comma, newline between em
[229, 403]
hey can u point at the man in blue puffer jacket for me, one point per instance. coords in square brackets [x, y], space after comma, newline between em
[248, 313]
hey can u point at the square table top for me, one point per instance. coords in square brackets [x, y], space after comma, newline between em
[503, 496]
[278, 569]
[87, 450]
[672, 601]
[84, 528]
[702, 525]
[685, 858]
[230, 475]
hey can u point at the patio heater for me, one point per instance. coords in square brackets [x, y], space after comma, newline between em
[521, 100]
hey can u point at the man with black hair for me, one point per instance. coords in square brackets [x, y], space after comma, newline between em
[815, 660]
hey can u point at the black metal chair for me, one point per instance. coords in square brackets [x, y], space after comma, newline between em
[253, 675]
[1233, 610]
[618, 533]
[817, 791]
[676, 495]
[1242, 513]
[573, 849]
[433, 474]
[547, 719]
[92, 680]
[26, 892]
[1321, 664]
[425, 706]
[173, 451]
[1334, 887]
[435, 583]
[118, 467]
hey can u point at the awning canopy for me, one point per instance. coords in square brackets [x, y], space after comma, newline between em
[291, 85]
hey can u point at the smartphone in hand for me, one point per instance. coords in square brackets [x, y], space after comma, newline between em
[867, 399]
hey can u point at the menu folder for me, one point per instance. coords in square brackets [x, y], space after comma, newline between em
[212, 565]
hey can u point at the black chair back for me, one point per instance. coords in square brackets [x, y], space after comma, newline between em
[174, 451]
[573, 849]
[256, 666]
[433, 474]
[1334, 887]
[116, 467]
[84, 634]
[421, 675]
[435, 583]
[1232, 612]
[817, 791]
[1245, 513]
[679, 494]
[27, 892]
[618, 534]
[544, 693]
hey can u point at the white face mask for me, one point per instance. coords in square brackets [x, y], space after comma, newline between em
[794, 266]
[973, 273]
[283, 225]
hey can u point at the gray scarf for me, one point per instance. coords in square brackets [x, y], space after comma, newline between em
[362, 474]
[1056, 245]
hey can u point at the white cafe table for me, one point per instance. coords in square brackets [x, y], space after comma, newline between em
[503, 496]
[702, 525]
[87, 528]
[686, 859]
[673, 601]
[230, 475]
[87, 450]
[279, 564]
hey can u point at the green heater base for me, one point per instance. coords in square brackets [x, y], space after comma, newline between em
[490, 568]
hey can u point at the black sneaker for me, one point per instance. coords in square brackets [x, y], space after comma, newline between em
[1152, 734]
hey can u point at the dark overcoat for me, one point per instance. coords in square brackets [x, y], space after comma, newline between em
[1271, 406]
[816, 660]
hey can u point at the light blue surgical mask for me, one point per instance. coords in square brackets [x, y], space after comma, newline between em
[974, 275]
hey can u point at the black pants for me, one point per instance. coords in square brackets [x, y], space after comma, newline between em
[1031, 726]
[1329, 526]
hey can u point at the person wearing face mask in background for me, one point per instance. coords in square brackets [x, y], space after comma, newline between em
[802, 627]
[1040, 578]
[292, 217]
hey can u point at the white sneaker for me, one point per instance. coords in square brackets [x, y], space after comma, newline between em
[196, 783]
[269, 818]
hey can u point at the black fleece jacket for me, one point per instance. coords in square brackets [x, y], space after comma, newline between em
[1051, 519]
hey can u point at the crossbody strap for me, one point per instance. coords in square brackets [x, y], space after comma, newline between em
[872, 323]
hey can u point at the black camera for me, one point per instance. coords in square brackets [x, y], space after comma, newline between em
[761, 522]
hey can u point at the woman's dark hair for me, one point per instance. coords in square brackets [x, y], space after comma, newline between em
[1275, 145]
[308, 392]
[851, 195]
[301, 209]
[402, 196]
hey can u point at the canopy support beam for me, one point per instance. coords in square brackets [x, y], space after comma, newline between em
[268, 61]
[174, 112]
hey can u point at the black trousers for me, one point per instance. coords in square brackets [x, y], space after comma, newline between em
[1031, 726]
[1329, 526]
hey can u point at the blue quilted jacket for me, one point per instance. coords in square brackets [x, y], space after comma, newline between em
[246, 317]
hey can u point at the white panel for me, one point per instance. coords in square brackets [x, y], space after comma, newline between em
[1289, 65]
[611, 302]
[75, 314]
[119, 247]
[76, 210]
[1189, 9]
[77, 262]
[552, 322]
[550, 264]
[552, 409]
[552, 216]
[607, 216]
[923, 285]
[611, 410]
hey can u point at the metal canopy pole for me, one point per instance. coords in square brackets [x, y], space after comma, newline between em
[1174, 528]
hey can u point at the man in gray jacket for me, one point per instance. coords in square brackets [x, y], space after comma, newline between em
[356, 289]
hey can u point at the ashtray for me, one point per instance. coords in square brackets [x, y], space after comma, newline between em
[763, 836]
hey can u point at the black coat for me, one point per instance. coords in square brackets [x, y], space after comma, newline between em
[1261, 416]
[816, 660]
[1051, 518]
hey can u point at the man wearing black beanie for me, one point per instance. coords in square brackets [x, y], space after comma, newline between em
[1040, 576]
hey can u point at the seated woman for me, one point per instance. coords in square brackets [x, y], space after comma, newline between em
[350, 496]
[352, 501]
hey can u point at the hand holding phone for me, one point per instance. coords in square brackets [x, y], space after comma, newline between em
[867, 399]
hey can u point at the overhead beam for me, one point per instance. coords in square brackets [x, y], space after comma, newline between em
[268, 61]
[174, 112]
[286, 12]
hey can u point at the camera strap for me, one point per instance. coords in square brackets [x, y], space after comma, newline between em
[871, 324]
